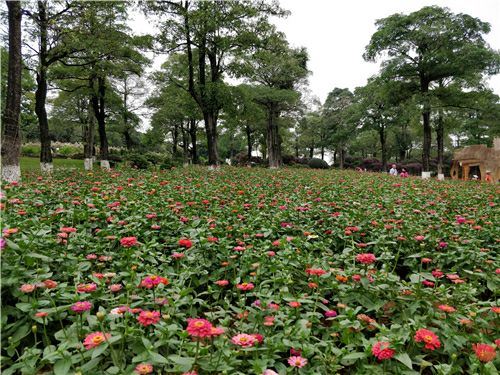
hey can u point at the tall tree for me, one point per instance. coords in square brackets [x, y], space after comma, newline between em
[11, 139]
[108, 50]
[278, 71]
[50, 40]
[211, 33]
[380, 103]
[340, 116]
[429, 45]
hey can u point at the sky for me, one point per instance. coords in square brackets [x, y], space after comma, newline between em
[336, 32]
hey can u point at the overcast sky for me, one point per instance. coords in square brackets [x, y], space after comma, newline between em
[336, 33]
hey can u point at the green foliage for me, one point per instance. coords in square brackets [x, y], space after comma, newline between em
[365, 258]
[316, 163]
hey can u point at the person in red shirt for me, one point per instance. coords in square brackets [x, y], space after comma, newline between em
[488, 178]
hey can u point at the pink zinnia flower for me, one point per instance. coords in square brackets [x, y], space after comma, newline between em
[143, 369]
[419, 238]
[178, 255]
[222, 282]
[245, 286]
[147, 318]
[297, 361]
[294, 304]
[27, 288]
[382, 351]
[95, 339]
[115, 287]
[82, 306]
[68, 230]
[244, 340]
[86, 288]
[446, 308]
[366, 258]
[199, 327]
[269, 372]
[330, 314]
[269, 321]
[153, 281]
[128, 241]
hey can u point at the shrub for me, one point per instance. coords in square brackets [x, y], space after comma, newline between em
[138, 161]
[318, 164]
[31, 150]
[241, 159]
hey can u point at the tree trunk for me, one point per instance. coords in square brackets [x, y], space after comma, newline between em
[128, 139]
[322, 152]
[185, 144]
[273, 138]
[341, 158]
[426, 118]
[88, 139]
[41, 92]
[194, 149]
[440, 141]
[383, 146]
[175, 139]
[11, 138]
[311, 152]
[248, 131]
[98, 104]
[210, 128]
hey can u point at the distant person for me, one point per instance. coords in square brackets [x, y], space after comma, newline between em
[403, 173]
[488, 177]
[393, 171]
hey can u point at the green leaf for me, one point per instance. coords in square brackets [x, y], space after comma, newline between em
[184, 363]
[62, 366]
[158, 358]
[39, 256]
[99, 350]
[405, 359]
[352, 357]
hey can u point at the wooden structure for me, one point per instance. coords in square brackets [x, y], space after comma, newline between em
[478, 157]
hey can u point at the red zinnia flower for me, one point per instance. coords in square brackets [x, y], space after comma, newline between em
[315, 271]
[382, 351]
[184, 242]
[484, 352]
[294, 304]
[128, 241]
[366, 258]
[428, 337]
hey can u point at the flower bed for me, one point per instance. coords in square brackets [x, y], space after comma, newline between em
[249, 271]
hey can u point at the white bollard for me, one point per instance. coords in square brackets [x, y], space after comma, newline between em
[426, 175]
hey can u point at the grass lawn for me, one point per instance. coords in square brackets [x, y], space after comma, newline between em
[33, 164]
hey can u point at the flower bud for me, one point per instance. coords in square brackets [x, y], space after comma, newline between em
[100, 316]
[34, 328]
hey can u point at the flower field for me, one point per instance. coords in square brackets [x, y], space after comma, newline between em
[249, 271]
